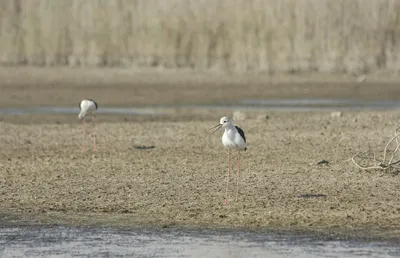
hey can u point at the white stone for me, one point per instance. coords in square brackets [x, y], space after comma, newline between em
[336, 114]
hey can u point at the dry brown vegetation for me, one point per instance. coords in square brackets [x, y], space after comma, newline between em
[263, 35]
[389, 160]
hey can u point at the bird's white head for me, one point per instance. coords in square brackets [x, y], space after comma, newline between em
[223, 122]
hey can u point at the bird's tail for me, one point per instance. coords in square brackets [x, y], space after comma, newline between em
[82, 114]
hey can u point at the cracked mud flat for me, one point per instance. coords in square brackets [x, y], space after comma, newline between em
[45, 178]
[181, 181]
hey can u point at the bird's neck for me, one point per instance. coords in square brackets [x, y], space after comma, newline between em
[229, 127]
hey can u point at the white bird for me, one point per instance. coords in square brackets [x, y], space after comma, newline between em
[233, 138]
[88, 107]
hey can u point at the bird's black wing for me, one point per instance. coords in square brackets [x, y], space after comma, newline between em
[240, 131]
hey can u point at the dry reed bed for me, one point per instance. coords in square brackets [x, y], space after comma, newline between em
[266, 35]
[44, 175]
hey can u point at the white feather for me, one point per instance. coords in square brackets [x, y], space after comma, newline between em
[87, 107]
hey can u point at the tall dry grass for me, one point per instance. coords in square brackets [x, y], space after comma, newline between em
[268, 35]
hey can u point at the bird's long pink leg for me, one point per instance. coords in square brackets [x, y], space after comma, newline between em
[84, 133]
[238, 176]
[94, 134]
[229, 171]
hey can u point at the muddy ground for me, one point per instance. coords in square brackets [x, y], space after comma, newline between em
[116, 87]
[180, 179]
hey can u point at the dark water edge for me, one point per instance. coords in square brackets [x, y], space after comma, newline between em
[365, 233]
[66, 241]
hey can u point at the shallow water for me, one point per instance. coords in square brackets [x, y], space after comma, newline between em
[111, 242]
[320, 104]
[267, 104]
[73, 110]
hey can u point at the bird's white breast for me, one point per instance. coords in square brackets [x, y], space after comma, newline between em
[232, 139]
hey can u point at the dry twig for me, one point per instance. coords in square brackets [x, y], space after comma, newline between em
[392, 163]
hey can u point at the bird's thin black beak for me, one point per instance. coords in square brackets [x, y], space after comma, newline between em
[218, 125]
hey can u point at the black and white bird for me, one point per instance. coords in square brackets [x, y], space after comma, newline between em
[233, 138]
[88, 107]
